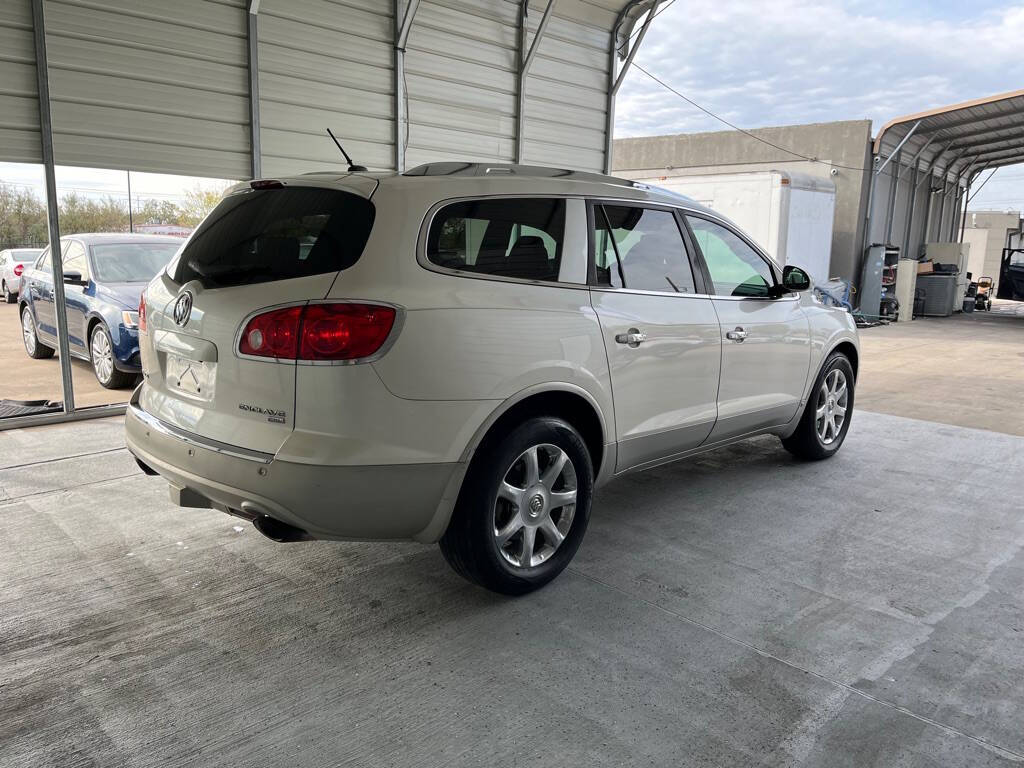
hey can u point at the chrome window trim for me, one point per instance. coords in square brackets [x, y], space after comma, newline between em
[389, 342]
[716, 297]
[206, 443]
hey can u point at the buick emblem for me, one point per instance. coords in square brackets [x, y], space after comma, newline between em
[183, 309]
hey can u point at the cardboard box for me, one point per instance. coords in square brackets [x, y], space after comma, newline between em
[925, 268]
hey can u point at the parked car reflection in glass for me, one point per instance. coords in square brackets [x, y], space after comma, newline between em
[104, 275]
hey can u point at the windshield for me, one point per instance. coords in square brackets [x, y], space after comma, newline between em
[130, 262]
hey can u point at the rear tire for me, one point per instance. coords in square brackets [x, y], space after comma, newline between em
[514, 528]
[826, 417]
[34, 348]
[9, 297]
[101, 353]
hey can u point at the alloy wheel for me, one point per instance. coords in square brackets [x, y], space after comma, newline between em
[830, 408]
[535, 505]
[102, 356]
[28, 331]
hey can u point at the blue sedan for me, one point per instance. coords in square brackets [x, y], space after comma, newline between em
[104, 275]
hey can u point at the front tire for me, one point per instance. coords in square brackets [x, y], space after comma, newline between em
[826, 417]
[523, 508]
[33, 346]
[101, 352]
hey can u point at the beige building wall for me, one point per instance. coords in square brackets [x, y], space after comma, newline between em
[996, 225]
[977, 239]
[840, 148]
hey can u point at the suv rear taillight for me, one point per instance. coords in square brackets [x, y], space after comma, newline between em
[341, 331]
[142, 312]
[18, 269]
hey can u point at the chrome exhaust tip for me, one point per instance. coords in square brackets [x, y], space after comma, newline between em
[280, 532]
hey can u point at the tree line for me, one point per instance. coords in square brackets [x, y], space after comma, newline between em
[23, 215]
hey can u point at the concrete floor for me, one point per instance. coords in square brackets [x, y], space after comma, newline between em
[737, 609]
[967, 369]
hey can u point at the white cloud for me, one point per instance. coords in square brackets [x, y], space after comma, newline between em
[802, 61]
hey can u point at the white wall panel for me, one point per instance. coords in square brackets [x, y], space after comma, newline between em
[462, 76]
[151, 85]
[326, 65]
[567, 86]
[19, 107]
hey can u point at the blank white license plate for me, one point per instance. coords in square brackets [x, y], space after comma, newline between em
[191, 377]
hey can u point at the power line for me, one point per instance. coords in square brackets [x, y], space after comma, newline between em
[741, 130]
[986, 181]
[108, 192]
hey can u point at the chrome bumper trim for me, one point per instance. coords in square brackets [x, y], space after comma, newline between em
[201, 442]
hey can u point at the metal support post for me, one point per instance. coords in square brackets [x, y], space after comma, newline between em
[615, 80]
[252, 38]
[53, 225]
[525, 62]
[402, 30]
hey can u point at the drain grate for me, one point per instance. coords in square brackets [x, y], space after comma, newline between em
[10, 408]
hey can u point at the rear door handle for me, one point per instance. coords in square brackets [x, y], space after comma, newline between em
[632, 338]
[737, 335]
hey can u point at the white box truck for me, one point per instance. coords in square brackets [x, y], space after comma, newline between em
[788, 214]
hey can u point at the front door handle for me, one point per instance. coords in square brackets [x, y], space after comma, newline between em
[737, 335]
[632, 338]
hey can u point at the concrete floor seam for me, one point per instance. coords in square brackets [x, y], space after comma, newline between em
[63, 458]
[14, 499]
[1001, 751]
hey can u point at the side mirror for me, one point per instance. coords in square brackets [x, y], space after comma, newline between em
[795, 279]
[74, 278]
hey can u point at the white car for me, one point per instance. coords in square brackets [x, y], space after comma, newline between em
[464, 353]
[13, 263]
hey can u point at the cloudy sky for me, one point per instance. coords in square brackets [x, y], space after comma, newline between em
[779, 63]
[803, 61]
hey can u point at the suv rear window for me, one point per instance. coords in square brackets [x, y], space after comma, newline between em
[275, 234]
[516, 237]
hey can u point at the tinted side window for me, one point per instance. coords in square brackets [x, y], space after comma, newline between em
[649, 246]
[517, 237]
[736, 268]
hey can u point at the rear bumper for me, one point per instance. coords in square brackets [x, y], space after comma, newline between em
[402, 501]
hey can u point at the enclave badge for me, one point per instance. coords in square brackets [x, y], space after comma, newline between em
[183, 309]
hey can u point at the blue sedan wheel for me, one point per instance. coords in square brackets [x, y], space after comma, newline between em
[101, 351]
[33, 346]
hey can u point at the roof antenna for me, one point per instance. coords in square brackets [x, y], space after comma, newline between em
[352, 167]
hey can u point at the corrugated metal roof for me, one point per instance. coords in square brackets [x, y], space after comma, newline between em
[136, 85]
[961, 139]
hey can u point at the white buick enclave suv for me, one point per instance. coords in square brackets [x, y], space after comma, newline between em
[463, 353]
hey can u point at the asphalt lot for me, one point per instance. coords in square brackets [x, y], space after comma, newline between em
[736, 609]
[26, 379]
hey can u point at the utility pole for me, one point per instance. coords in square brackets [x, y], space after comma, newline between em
[131, 223]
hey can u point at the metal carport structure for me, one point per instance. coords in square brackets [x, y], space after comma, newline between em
[245, 88]
[923, 166]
